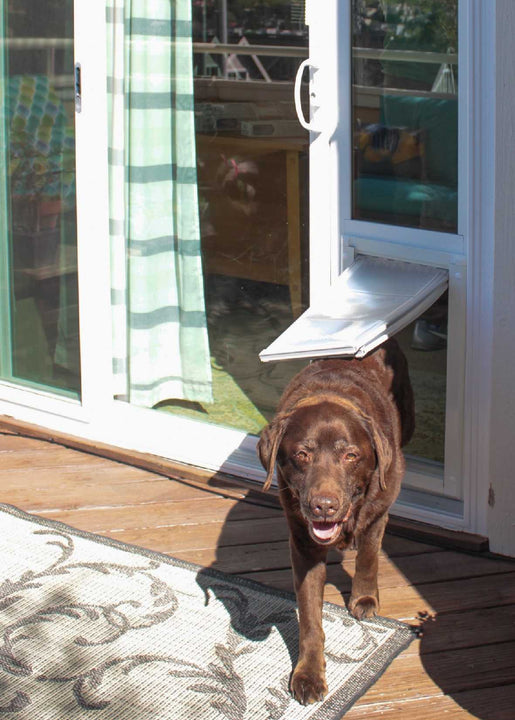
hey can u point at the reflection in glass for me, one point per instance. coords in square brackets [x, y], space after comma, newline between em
[252, 169]
[39, 281]
[405, 112]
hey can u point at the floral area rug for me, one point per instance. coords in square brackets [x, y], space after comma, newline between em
[92, 628]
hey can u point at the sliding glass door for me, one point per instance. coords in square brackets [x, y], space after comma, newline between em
[38, 265]
[405, 199]
[208, 217]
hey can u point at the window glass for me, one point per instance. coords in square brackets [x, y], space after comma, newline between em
[252, 159]
[39, 321]
[405, 112]
[424, 343]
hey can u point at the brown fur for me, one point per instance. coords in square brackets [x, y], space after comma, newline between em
[336, 444]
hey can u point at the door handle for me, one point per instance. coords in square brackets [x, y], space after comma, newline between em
[296, 96]
[77, 87]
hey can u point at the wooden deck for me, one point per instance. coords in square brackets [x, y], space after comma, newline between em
[462, 667]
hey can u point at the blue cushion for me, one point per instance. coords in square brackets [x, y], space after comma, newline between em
[438, 117]
[406, 197]
[434, 196]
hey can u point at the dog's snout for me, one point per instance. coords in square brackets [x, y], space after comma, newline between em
[324, 506]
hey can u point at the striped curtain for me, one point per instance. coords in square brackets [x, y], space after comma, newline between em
[160, 343]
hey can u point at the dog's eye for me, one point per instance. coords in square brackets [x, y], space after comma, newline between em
[350, 456]
[301, 456]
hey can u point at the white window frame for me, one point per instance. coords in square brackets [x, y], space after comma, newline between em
[97, 417]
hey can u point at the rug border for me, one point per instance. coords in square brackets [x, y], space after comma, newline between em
[338, 703]
[368, 673]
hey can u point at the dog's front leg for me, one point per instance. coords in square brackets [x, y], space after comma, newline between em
[364, 599]
[308, 683]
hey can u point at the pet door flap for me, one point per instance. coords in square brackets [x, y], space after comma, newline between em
[370, 301]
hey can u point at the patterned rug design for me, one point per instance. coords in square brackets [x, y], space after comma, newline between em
[93, 628]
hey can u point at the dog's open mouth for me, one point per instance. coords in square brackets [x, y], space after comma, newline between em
[326, 532]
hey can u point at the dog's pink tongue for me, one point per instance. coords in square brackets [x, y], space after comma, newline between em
[324, 531]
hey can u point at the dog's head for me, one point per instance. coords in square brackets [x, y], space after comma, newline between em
[329, 454]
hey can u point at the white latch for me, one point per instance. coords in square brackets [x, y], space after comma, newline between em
[315, 124]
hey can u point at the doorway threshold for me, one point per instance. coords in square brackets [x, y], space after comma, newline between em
[422, 500]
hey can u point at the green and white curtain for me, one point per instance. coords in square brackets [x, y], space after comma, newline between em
[160, 343]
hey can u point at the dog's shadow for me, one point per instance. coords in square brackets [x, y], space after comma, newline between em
[247, 616]
[251, 617]
[253, 545]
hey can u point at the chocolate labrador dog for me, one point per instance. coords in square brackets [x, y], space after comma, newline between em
[336, 442]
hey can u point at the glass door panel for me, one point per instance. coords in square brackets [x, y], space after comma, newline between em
[405, 164]
[247, 220]
[253, 192]
[424, 343]
[39, 322]
[405, 113]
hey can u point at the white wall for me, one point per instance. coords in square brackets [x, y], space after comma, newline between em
[501, 512]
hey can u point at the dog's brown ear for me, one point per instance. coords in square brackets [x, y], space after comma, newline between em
[383, 452]
[268, 447]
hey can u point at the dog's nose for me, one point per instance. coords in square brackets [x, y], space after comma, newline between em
[324, 506]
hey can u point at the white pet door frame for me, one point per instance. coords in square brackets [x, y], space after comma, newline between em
[372, 299]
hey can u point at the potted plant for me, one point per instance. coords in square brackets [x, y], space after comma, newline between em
[35, 187]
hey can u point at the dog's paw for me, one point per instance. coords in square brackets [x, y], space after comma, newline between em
[308, 687]
[363, 607]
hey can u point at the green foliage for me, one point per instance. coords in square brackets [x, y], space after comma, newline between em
[421, 24]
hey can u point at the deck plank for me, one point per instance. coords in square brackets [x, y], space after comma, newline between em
[462, 667]
[454, 671]
[485, 703]
[170, 514]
